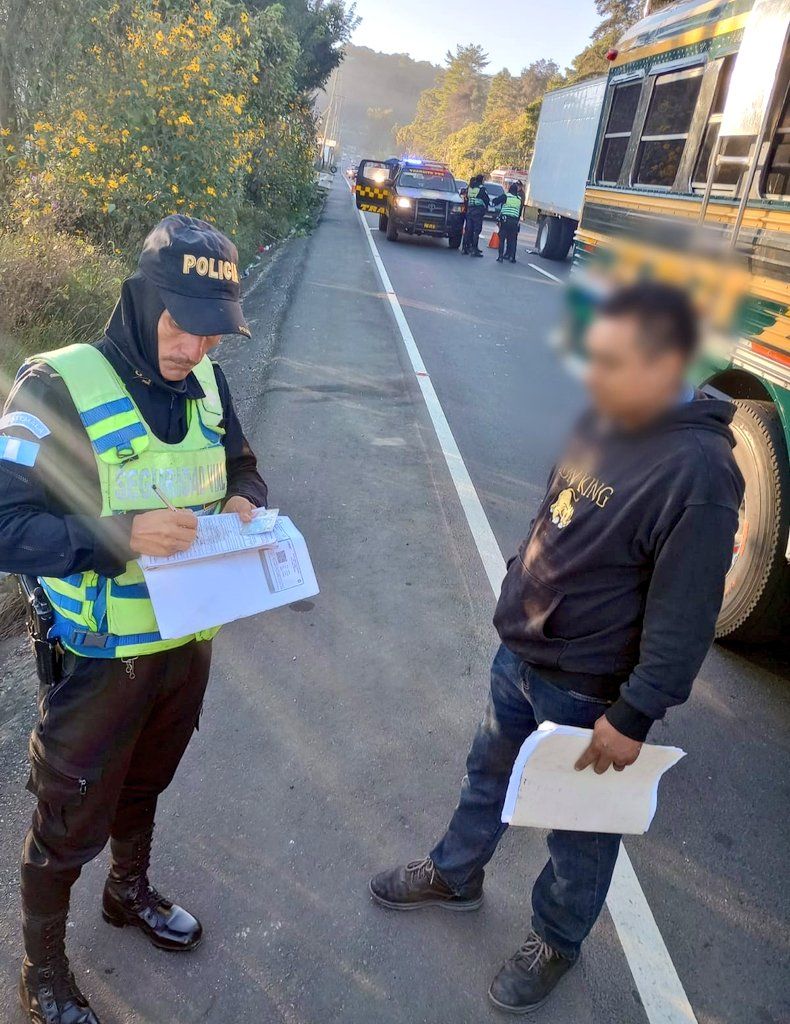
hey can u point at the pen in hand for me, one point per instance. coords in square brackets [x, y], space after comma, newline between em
[162, 497]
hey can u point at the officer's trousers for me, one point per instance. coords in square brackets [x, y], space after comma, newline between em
[508, 236]
[108, 741]
[474, 225]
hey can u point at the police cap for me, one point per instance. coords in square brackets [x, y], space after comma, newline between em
[196, 271]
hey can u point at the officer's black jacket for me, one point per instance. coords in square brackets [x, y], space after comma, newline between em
[49, 514]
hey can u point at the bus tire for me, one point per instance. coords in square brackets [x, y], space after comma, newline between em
[554, 240]
[383, 222]
[757, 588]
[392, 230]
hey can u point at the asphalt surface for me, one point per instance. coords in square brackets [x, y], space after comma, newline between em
[335, 732]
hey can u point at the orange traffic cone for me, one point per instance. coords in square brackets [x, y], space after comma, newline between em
[493, 241]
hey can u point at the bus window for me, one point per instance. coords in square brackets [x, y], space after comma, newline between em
[666, 127]
[777, 173]
[618, 131]
[727, 174]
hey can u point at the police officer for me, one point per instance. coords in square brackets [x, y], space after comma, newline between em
[477, 204]
[86, 433]
[509, 222]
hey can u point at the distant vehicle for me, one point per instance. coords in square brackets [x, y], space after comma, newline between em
[418, 197]
[564, 145]
[505, 176]
[461, 185]
[494, 190]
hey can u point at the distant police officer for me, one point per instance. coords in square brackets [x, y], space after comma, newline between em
[87, 432]
[509, 221]
[477, 204]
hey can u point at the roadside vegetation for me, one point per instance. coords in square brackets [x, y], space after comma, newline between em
[114, 113]
[476, 122]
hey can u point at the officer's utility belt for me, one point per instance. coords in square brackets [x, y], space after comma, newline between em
[40, 620]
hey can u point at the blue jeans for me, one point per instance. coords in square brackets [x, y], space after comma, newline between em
[570, 891]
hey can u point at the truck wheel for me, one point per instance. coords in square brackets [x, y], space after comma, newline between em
[382, 222]
[569, 230]
[392, 230]
[554, 239]
[454, 241]
[757, 589]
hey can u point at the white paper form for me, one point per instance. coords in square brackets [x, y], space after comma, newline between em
[195, 595]
[222, 534]
[546, 791]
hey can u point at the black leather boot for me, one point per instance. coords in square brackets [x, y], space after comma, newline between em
[129, 898]
[47, 990]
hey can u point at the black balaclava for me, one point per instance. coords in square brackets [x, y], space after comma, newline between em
[131, 344]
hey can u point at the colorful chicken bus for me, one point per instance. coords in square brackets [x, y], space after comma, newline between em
[690, 182]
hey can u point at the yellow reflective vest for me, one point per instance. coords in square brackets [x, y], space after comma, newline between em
[99, 617]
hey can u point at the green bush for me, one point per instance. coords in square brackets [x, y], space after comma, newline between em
[55, 289]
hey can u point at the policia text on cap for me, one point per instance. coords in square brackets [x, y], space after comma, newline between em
[86, 432]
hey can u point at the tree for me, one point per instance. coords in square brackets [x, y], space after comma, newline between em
[457, 100]
[321, 29]
[618, 15]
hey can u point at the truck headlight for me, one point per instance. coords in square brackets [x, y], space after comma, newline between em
[457, 208]
[403, 202]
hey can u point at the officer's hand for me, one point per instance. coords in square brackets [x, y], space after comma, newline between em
[241, 505]
[163, 532]
[608, 748]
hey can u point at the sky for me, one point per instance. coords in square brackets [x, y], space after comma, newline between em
[512, 32]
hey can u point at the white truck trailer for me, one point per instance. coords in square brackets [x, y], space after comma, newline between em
[564, 144]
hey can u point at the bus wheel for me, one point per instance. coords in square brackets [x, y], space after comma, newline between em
[554, 239]
[757, 588]
[383, 222]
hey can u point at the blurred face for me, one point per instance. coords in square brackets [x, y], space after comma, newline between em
[627, 382]
[180, 352]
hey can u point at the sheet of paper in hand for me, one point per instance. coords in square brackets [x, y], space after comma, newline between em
[196, 594]
[546, 791]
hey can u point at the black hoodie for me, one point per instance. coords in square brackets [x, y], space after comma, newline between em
[49, 513]
[617, 588]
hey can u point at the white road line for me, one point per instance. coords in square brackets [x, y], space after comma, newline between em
[546, 273]
[660, 988]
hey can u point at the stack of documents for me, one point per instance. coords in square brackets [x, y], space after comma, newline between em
[546, 791]
[227, 574]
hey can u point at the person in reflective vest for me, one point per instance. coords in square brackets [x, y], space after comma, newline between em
[87, 432]
[477, 204]
[509, 222]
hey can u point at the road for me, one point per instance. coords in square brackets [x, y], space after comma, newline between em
[334, 734]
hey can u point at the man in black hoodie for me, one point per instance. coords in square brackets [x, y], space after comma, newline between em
[116, 718]
[605, 616]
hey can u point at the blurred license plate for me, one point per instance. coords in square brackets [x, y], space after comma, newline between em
[429, 224]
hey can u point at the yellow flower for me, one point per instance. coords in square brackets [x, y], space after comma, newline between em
[211, 190]
[112, 183]
[75, 151]
[185, 119]
[174, 189]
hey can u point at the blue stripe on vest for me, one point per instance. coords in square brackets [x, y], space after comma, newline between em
[118, 438]
[102, 412]
[129, 590]
[65, 603]
[101, 645]
[210, 435]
